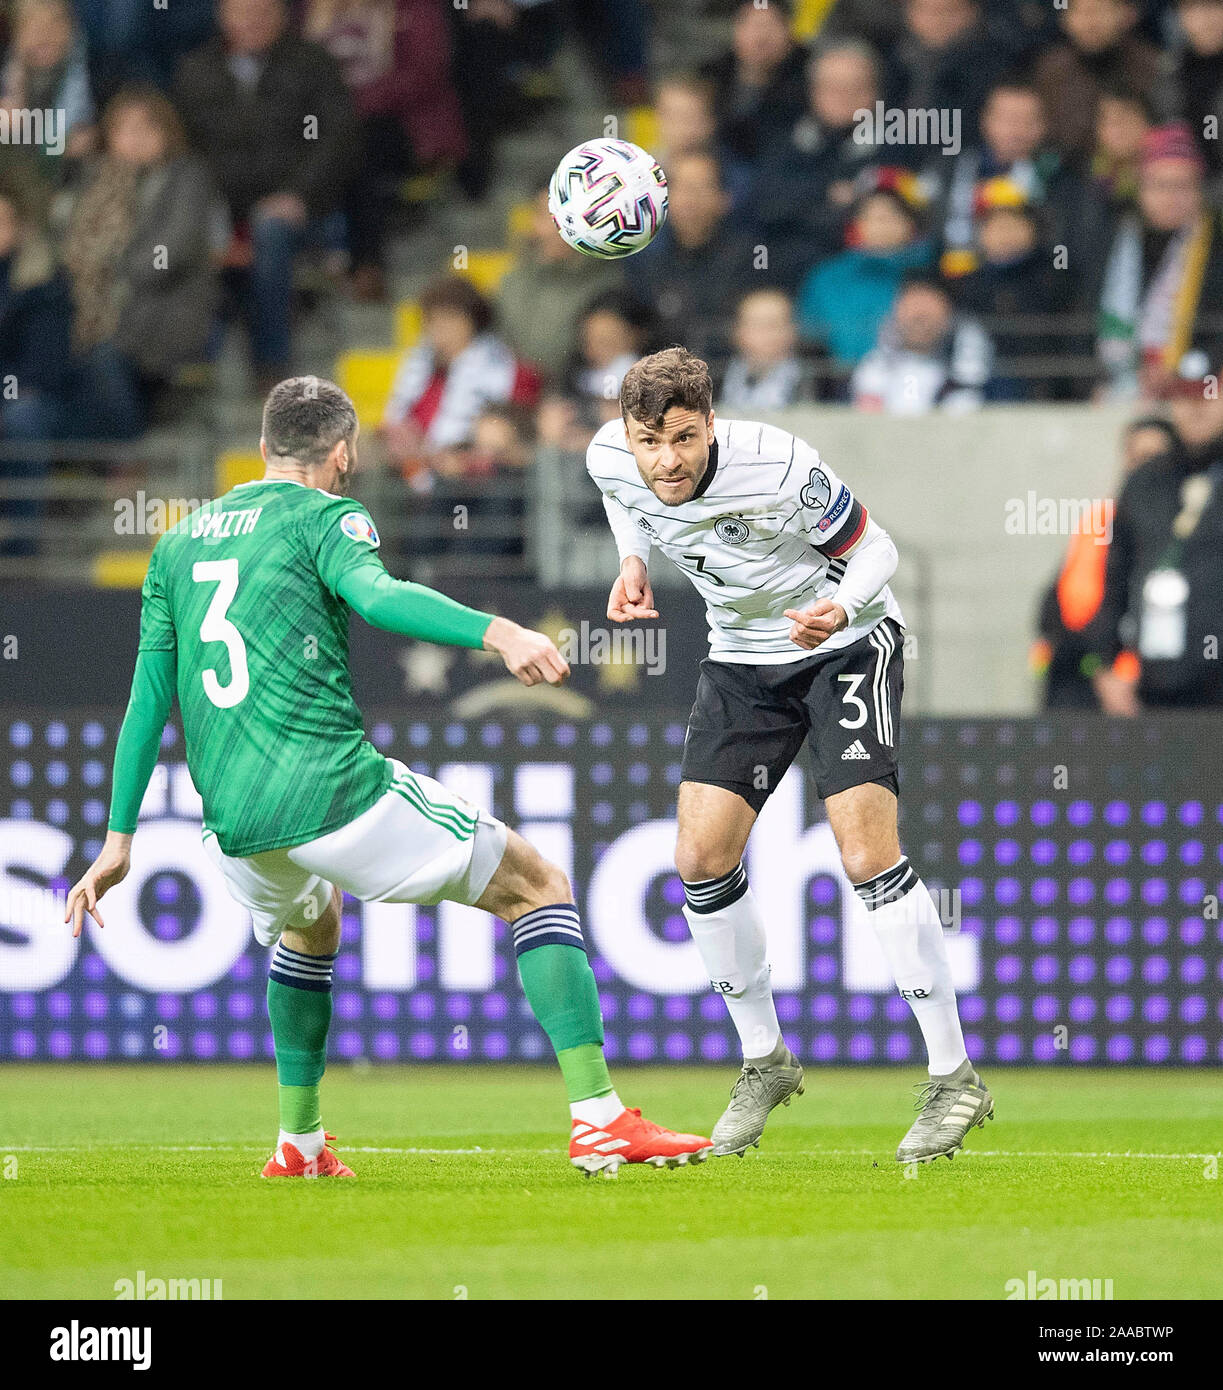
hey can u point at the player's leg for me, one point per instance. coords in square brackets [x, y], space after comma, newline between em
[744, 731]
[534, 897]
[297, 913]
[855, 715]
[299, 1008]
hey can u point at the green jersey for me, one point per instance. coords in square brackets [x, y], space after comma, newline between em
[244, 592]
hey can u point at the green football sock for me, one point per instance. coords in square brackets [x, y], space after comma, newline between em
[560, 987]
[299, 1006]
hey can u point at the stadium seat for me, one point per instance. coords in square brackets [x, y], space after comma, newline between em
[367, 375]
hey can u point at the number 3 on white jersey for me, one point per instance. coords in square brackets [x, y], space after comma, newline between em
[216, 627]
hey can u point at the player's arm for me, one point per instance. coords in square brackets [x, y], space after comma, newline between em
[412, 610]
[631, 596]
[840, 528]
[135, 758]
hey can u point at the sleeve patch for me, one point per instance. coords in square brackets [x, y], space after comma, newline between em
[816, 492]
[844, 497]
[358, 527]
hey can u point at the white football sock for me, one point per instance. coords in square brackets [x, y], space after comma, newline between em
[308, 1145]
[597, 1110]
[907, 924]
[726, 926]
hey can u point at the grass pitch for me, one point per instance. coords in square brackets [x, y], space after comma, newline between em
[463, 1189]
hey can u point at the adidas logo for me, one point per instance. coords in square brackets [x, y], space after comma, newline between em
[855, 750]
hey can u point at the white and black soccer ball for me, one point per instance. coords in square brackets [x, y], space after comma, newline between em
[608, 198]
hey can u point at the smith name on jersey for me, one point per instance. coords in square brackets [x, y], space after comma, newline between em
[767, 529]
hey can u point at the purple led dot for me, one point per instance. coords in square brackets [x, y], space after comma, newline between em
[861, 1047]
[1117, 813]
[1082, 1008]
[1044, 1048]
[677, 1047]
[1154, 813]
[1080, 931]
[714, 1047]
[1080, 813]
[899, 1047]
[1045, 891]
[1193, 1009]
[1120, 1048]
[1043, 813]
[1009, 1047]
[1119, 1008]
[1155, 930]
[1007, 892]
[1191, 813]
[823, 890]
[970, 852]
[824, 1008]
[1006, 813]
[861, 1008]
[824, 969]
[386, 1045]
[240, 1046]
[1118, 970]
[1044, 931]
[1082, 1047]
[1193, 970]
[789, 1008]
[1008, 969]
[677, 1008]
[824, 1047]
[1192, 852]
[1006, 853]
[1156, 1048]
[1008, 1008]
[970, 813]
[1194, 1049]
[1118, 891]
[1082, 969]
[1155, 969]
[1045, 969]
[1045, 1008]
[641, 1047]
[1007, 931]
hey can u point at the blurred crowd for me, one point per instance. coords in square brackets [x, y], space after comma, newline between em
[900, 205]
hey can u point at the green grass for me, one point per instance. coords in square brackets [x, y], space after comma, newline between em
[107, 1183]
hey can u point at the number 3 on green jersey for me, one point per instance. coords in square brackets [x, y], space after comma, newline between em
[216, 627]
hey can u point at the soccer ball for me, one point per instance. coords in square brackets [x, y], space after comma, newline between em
[608, 198]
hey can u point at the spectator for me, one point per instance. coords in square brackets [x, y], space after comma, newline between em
[612, 336]
[271, 113]
[1193, 89]
[487, 476]
[947, 60]
[443, 383]
[684, 105]
[1162, 280]
[764, 373]
[46, 70]
[140, 254]
[928, 357]
[35, 353]
[805, 184]
[395, 57]
[1011, 146]
[1098, 50]
[542, 297]
[125, 48]
[759, 82]
[844, 301]
[698, 264]
[1162, 596]
[1091, 205]
[1063, 653]
[1013, 287]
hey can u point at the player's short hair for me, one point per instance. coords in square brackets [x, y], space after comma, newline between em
[305, 417]
[672, 377]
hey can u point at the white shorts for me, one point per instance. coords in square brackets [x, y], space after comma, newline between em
[418, 843]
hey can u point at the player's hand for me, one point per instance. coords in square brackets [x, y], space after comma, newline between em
[1116, 695]
[530, 656]
[631, 595]
[817, 623]
[109, 868]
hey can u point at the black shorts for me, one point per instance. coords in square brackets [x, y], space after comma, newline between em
[748, 722]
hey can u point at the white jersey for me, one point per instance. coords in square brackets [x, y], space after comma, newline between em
[765, 531]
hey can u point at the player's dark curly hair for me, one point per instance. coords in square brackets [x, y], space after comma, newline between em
[305, 417]
[673, 377]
